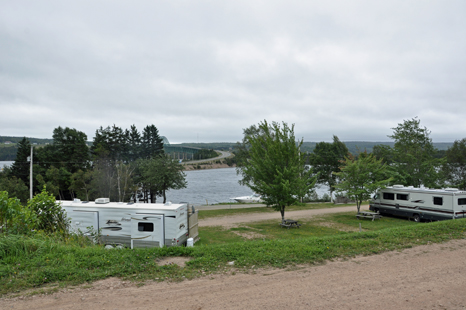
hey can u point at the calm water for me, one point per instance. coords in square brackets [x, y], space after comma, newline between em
[213, 186]
[209, 186]
[5, 163]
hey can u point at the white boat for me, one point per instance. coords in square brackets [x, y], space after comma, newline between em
[249, 199]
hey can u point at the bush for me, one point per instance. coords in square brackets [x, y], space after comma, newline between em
[50, 217]
[14, 217]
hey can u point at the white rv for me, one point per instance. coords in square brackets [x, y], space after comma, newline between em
[420, 203]
[133, 224]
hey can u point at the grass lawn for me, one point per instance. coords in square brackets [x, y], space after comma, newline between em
[41, 263]
[318, 226]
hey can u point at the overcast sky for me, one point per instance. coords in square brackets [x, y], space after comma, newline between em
[201, 71]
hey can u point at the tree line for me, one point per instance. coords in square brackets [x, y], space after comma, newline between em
[121, 164]
[271, 163]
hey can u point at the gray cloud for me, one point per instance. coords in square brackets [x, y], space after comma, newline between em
[205, 70]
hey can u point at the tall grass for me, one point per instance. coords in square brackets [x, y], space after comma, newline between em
[32, 262]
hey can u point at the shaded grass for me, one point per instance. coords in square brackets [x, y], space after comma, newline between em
[34, 262]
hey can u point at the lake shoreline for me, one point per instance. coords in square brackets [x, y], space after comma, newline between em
[205, 166]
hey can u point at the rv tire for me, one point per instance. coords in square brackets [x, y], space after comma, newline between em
[416, 218]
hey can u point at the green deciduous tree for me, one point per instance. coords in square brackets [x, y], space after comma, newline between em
[362, 177]
[103, 179]
[455, 165]
[414, 154]
[275, 167]
[124, 175]
[158, 175]
[325, 160]
[81, 184]
[14, 186]
[71, 149]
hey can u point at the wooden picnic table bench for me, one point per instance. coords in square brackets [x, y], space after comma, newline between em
[290, 223]
[369, 215]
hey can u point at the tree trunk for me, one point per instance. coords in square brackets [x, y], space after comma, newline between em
[282, 212]
[164, 197]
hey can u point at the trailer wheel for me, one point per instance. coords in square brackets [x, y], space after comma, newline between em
[417, 218]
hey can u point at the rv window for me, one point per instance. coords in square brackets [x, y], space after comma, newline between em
[461, 201]
[389, 196]
[146, 226]
[438, 201]
[402, 196]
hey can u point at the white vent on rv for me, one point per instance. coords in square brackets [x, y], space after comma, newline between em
[398, 186]
[168, 203]
[76, 200]
[102, 200]
[451, 189]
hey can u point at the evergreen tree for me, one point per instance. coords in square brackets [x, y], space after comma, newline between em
[21, 167]
[152, 143]
[134, 143]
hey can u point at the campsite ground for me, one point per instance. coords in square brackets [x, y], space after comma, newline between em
[425, 277]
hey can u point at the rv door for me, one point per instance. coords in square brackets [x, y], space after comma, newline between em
[85, 222]
[147, 230]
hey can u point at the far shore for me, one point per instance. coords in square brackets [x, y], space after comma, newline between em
[206, 165]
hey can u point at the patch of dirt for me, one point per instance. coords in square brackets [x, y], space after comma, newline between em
[180, 261]
[340, 227]
[110, 284]
[235, 220]
[248, 234]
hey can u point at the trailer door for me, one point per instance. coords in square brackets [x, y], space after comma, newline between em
[147, 230]
[85, 222]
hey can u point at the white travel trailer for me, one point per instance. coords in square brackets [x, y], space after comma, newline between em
[420, 203]
[133, 224]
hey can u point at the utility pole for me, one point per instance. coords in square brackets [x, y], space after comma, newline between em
[30, 177]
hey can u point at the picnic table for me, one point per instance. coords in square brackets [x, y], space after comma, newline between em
[369, 215]
[290, 223]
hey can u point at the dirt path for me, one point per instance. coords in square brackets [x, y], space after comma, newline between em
[232, 221]
[425, 277]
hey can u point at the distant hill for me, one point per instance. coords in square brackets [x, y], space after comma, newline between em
[356, 147]
[4, 139]
[353, 146]
[222, 146]
[8, 151]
